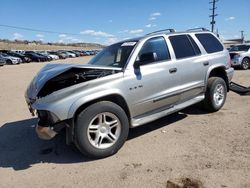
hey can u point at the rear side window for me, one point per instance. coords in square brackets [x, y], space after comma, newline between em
[182, 46]
[209, 42]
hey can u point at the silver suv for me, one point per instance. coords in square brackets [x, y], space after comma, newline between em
[128, 84]
[240, 56]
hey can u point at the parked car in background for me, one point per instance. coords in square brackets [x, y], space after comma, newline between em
[35, 57]
[10, 59]
[2, 61]
[240, 56]
[48, 55]
[61, 55]
[23, 57]
[69, 54]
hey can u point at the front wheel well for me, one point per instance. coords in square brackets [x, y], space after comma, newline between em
[115, 98]
[247, 58]
[220, 72]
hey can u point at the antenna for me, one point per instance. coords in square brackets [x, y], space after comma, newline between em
[213, 14]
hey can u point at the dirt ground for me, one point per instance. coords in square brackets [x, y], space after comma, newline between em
[211, 149]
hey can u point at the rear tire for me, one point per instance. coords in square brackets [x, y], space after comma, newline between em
[245, 63]
[215, 95]
[101, 129]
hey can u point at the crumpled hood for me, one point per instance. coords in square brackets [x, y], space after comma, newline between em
[50, 71]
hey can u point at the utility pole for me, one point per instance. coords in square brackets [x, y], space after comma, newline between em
[213, 14]
[242, 36]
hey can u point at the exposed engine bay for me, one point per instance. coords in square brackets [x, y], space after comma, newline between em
[72, 77]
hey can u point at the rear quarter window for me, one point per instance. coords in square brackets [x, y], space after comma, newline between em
[210, 43]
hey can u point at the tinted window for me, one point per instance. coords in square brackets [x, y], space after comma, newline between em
[195, 46]
[209, 42]
[156, 46]
[182, 46]
[240, 48]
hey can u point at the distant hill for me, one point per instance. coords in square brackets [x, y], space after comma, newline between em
[38, 45]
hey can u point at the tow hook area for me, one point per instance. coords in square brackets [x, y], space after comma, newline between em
[239, 89]
[45, 133]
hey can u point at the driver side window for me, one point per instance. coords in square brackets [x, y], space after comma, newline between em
[153, 50]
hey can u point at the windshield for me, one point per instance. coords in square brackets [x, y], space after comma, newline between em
[240, 48]
[115, 55]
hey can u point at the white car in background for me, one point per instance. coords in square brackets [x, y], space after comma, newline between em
[240, 56]
[10, 59]
[70, 54]
[53, 56]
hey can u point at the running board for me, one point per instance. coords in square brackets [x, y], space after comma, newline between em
[239, 89]
[175, 108]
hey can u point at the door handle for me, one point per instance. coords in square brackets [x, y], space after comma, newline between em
[206, 63]
[173, 70]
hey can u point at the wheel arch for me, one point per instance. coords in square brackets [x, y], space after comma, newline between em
[218, 72]
[115, 98]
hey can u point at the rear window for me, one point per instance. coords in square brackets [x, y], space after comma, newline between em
[209, 42]
[182, 46]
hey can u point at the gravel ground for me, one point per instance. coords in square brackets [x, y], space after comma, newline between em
[192, 146]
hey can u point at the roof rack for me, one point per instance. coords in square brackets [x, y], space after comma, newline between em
[161, 31]
[198, 29]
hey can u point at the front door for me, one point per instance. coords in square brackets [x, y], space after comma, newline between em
[153, 82]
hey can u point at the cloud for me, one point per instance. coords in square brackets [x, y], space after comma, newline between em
[62, 36]
[150, 25]
[17, 36]
[96, 33]
[155, 14]
[111, 40]
[39, 36]
[110, 21]
[136, 31]
[230, 18]
[152, 18]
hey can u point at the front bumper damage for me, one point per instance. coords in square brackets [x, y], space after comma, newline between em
[49, 125]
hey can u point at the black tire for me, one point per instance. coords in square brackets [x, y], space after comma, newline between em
[9, 62]
[245, 64]
[83, 135]
[210, 102]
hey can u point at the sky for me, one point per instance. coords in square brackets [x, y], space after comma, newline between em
[109, 21]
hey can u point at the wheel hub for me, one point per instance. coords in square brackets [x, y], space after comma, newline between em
[104, 130]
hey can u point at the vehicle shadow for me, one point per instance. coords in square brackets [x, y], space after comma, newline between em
[152, 126]
[20, 148]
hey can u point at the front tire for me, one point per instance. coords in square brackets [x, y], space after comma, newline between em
[101, 129]
[245, 64]
[215, 95]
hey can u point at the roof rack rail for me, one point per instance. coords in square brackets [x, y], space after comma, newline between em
[198, 29]
[161, 31]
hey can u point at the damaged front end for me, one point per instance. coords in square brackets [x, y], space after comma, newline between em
[49, 94]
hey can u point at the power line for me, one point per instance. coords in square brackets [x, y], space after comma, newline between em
[213, 14]
[38, 30]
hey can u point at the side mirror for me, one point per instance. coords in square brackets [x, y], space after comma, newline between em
[145, 59]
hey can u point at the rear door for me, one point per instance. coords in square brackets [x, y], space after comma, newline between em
[191, 65]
